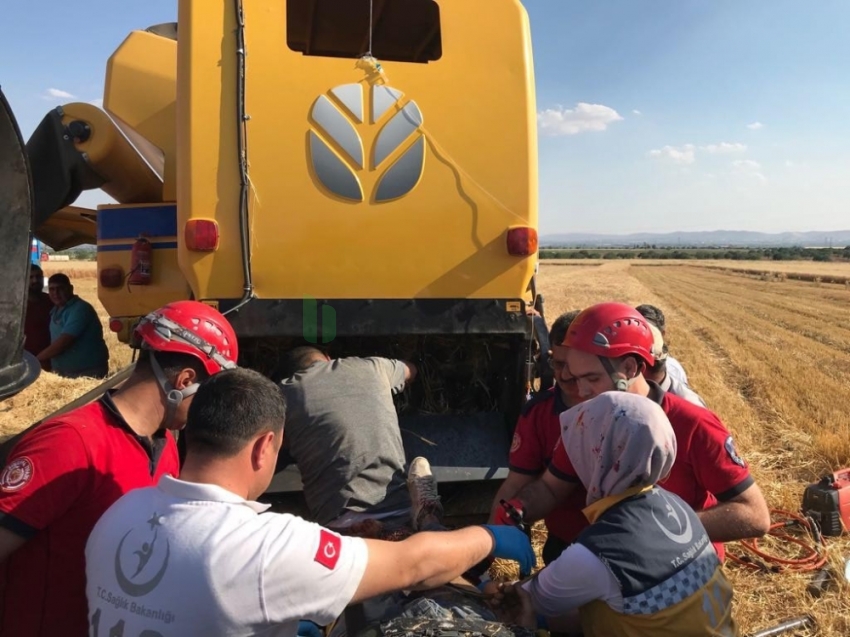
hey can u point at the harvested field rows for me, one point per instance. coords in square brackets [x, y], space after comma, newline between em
[831, 272]
[825, 269]
[785, 345]
[773, 360]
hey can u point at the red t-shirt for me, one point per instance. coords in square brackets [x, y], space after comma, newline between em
[37, 325]
[708, 469]
[537, 431]
[58, 481]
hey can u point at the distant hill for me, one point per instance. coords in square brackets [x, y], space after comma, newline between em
[719, 238]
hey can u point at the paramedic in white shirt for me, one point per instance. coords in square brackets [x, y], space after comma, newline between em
[198, 556]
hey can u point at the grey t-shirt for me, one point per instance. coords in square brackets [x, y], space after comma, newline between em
[342, 430]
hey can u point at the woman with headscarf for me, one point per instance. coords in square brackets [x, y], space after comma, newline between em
[645, 565]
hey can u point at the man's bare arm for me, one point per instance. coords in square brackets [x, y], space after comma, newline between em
[9, 543]
[62, 343]
[744, 516]
[410, 371]
[512, 485]
[540, 497]
[423, 560]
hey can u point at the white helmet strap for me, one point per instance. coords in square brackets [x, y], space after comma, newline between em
[173, 396]
[620, 384]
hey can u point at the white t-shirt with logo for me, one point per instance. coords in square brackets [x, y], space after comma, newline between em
[183, 559]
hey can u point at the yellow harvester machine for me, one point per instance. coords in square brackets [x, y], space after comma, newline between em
[366, 185]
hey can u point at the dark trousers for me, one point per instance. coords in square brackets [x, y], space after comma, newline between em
[552, 549]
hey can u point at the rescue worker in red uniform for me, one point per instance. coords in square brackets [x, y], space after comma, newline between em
[537, 431]
[608, 347]
[61, 476]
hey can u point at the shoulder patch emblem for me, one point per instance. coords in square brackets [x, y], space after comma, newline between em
[17, 474]
[733, 454]
[516, 442]
[330, 545]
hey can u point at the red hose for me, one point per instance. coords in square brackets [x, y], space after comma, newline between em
[814, 554]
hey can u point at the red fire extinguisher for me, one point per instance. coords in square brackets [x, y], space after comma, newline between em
[141, 258]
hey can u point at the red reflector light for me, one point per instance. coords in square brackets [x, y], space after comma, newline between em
[201, 235]
[112, 277]
[116, 325]
[522, 242]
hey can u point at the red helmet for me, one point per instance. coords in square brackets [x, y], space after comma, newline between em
[190, 327]
[611, 330]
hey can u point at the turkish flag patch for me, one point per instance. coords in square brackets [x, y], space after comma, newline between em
[329, 547]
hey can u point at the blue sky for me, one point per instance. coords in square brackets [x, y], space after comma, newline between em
[654, 115]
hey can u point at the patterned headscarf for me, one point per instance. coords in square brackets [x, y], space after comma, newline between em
[617, 441]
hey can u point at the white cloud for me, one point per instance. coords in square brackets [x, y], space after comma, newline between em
[746, 164]
[583, 118]
[637, 112]
[98, 102]
[789, 163]
[748, 168]
[58, 94]
[681, 155]
[724, 148]
[755, 126]
[686, 154]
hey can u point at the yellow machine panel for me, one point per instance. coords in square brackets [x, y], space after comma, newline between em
[129, 178]
[396, 180]
[141, 94]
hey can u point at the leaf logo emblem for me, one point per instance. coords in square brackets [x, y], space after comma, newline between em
[352, 154]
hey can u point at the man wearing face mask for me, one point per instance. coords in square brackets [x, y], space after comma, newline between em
[62, 475]
[535, 435]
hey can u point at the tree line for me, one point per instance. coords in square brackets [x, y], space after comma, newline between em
[784, 253]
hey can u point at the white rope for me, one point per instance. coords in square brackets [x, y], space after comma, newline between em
[371, 9]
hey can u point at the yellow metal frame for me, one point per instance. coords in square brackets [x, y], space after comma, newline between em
[444, 239]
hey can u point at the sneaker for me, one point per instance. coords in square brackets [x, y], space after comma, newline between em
[424, 499]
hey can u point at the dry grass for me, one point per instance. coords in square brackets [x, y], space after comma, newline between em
[773, 359]
[835, 268]
[837, 272]
[75, 270]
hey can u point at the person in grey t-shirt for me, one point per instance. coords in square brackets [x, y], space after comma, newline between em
[342, 431]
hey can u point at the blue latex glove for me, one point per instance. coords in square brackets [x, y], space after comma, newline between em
[513, 544]
[309, 629]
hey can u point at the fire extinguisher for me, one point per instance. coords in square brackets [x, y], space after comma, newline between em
[141, 258]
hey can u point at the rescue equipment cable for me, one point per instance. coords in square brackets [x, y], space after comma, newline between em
[242, 144]
[813, 548]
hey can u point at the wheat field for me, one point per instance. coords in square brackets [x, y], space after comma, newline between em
[824, 269]
[771, 358]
